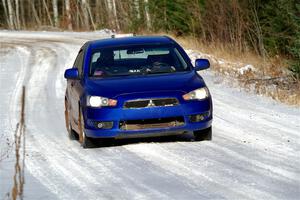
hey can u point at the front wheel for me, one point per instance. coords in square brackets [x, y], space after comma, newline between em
[85, 141]
[205, 134]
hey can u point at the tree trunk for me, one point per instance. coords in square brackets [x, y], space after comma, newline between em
[6, 12]
[68, 11]
[10, 15]
[114, 7]
[23, 21]
[148, 20]
[91, 16]
[18, 25]
[111, 22]
[79, 18]
[97, 12]
[47, 12]
[85, 15]
[35, 15]
[55, 12]
[165, 15]
[136, 4]
[258, 32]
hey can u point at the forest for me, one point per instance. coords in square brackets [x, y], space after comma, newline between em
[267, 27]
[251, 91]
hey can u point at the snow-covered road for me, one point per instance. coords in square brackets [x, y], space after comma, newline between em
[254, 154]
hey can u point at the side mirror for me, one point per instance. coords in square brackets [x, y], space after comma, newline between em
[72, 73]
[201, 64]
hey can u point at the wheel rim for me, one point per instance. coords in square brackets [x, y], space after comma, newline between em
[68, 125]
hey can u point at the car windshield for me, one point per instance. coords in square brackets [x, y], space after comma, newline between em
[136, 60]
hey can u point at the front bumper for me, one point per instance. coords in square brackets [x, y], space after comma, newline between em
[118, 114]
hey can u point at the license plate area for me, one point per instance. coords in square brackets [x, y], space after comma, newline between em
[151, 123]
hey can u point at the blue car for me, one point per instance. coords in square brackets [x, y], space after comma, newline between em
[136, 87]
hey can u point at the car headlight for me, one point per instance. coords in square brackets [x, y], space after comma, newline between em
[97, 101]
[198, 94]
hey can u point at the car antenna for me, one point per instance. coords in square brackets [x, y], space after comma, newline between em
[113, 35]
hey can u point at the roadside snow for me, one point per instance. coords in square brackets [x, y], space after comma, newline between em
[246, 68]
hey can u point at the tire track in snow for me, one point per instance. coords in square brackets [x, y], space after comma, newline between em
[40, 110]
[49, 140]
[188, 170]
[60, 172]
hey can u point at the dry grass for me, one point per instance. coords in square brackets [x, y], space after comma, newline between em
[272, 66]
[268, 77]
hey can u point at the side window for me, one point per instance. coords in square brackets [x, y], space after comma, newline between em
[79, 62]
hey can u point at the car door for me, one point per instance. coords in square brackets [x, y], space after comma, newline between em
[76, 88]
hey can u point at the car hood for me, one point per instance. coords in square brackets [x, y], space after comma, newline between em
[113, 87]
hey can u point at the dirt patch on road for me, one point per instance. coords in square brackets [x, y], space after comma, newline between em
[19, 178]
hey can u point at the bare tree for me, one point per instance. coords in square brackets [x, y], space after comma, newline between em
[98, 9]
[114, 7]
[47, 12]
[78, 15]
[148, 20]
[68, 12]
[17, 19]
[85, 14]
[90, 15]
[258, 31]
[10, 15]
[35, 15]
[137, 8]
[112, 10]
[6, 12]
[55, 12]
[22, 12]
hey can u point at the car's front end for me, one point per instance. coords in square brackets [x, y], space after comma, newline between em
[135, 110]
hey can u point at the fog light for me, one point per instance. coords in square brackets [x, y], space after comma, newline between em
[100, 125]
[104, 125]
[199, 117]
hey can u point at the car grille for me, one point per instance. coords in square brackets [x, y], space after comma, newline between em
[144, 103]
[151, 123]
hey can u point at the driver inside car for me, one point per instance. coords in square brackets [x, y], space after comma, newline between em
[103, 63]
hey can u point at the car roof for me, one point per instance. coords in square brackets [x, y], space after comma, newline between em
[134, 40]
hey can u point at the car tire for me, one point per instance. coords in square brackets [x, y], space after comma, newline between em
[71, 133]
[84, 141]
[205, 134]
